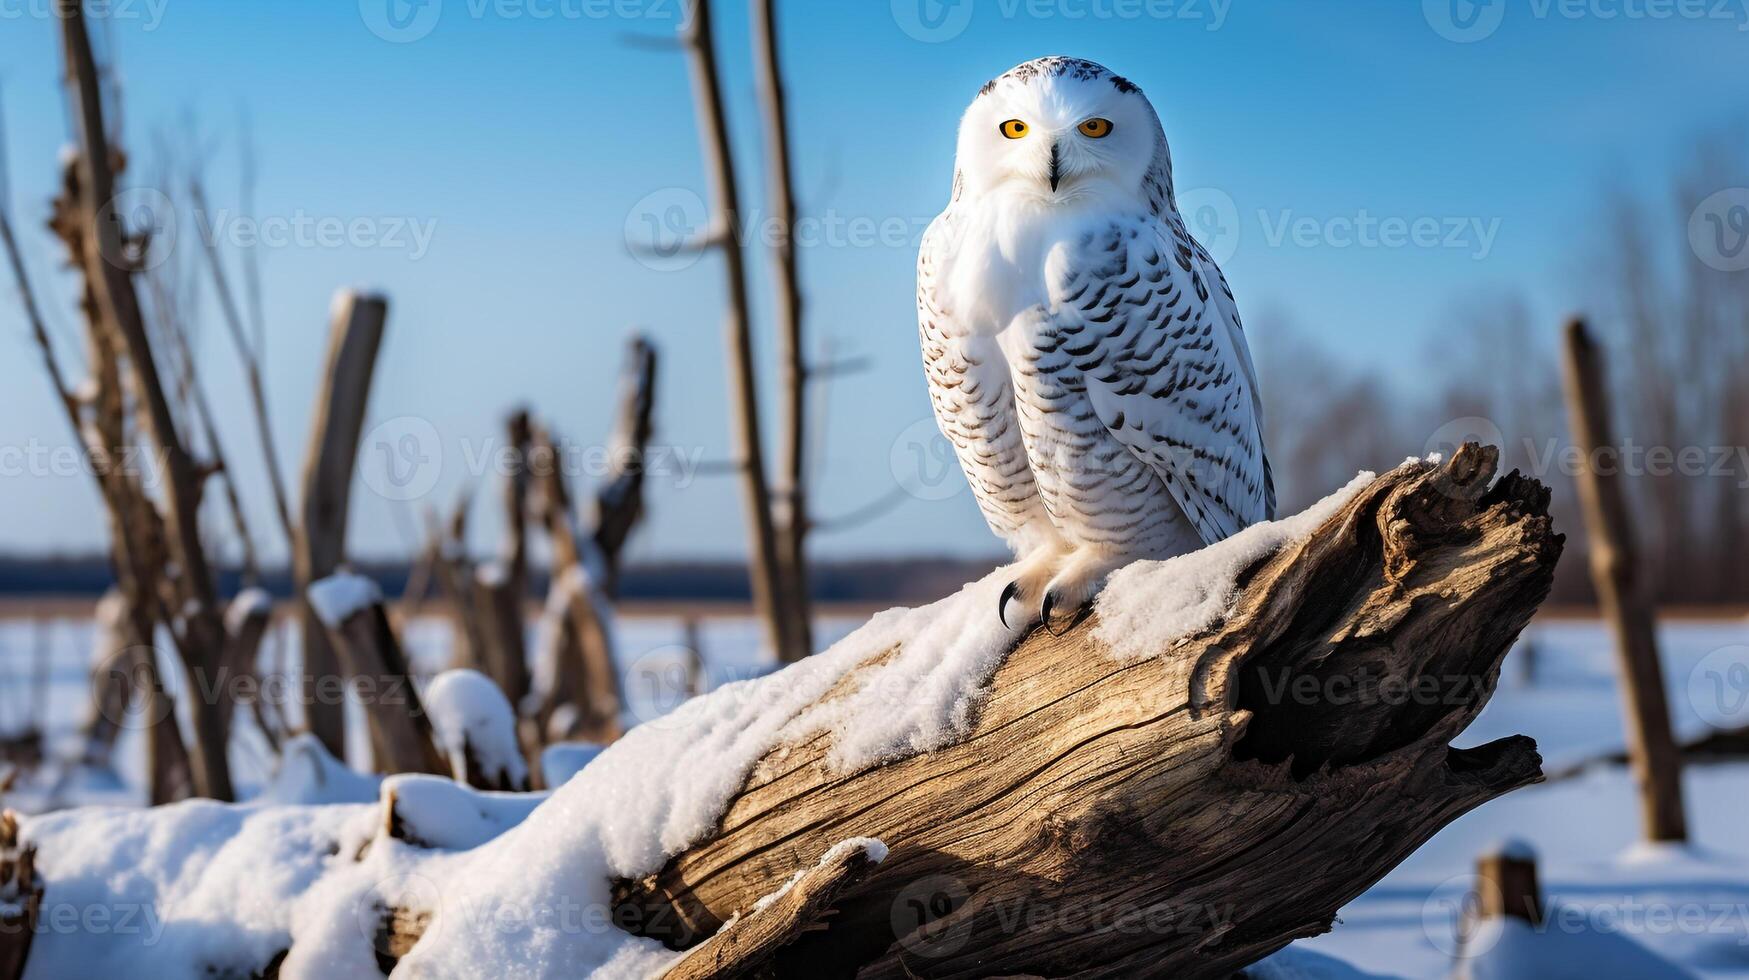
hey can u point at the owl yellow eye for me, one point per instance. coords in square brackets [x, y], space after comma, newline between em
[1013, 129]
[1096, 128]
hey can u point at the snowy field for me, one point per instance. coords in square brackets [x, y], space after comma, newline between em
[1691, 907]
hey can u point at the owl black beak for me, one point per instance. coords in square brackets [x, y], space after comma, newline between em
[1056, 172]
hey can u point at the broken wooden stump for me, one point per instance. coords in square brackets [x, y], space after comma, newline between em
[351, 609]
[1506, 884]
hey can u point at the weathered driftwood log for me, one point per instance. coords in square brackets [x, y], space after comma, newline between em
[1181, 815]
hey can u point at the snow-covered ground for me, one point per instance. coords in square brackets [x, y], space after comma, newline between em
[1691, 907]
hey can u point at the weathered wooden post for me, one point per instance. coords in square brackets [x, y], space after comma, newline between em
[1507, 884]
[354, 336]
[351, 608]
[1615, 570]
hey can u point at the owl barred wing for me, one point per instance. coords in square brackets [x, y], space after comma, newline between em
[1165, 366]
[1227, 310]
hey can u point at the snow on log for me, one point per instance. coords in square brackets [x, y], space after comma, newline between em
[1231, 747]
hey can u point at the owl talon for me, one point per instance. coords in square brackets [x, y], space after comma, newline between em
[1012, 590]
[1062, 623]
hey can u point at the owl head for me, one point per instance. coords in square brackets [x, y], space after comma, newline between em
[1060, 130]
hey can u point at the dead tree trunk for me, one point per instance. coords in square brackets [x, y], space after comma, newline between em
[769, 599]
[353, 339]
[1615, 569]
[1219, 795]
[792, 520]
[619, 498]
[582, 674]
[586, 563]
[502, 587]
[108, 251]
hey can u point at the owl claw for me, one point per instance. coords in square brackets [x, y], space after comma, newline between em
[1008, 593]
[1063, 623]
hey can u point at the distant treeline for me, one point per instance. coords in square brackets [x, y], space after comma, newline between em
[904, 582]
[1664, 285]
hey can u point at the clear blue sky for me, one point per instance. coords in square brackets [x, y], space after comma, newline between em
[527, 136]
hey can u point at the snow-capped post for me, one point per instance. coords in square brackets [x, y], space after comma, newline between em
[1224, 782]
[355, 333]
[475, 726]
[246, 622]
[350, 607]
[1615, 570]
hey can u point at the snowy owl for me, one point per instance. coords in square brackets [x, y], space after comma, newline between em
[1083, 351]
